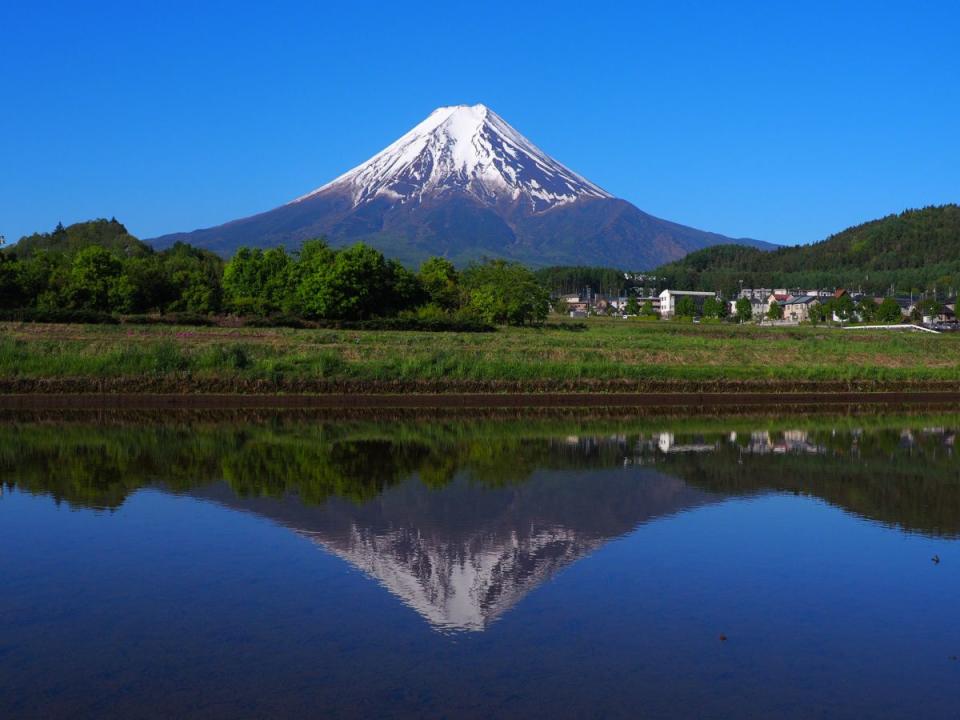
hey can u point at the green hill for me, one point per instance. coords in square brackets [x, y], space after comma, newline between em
[917, 249]
[109, 234]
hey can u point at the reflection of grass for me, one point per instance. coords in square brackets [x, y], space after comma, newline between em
[607, 350]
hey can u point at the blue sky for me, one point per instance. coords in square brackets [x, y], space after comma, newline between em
[775, 120]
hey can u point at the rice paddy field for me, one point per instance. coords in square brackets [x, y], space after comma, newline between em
[600, 354]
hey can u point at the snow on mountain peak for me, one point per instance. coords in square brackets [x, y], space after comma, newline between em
[463, 148]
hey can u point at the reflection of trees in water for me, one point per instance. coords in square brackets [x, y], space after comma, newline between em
[909, 478]
[904, 477]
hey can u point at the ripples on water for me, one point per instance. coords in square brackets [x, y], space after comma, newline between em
[289, 565]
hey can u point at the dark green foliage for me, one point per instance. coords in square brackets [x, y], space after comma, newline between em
[99, 269]
[916, 249]
[108, 234]
[86, 317]
[775, 312]
[287, 321]
[866, 310]
[713, 308]
[686, 307]
[259, 281]
[440, 281]
[930, 307]
[574, 278]
[888, 311]
[501, 292]
[98, 266]
[188, 319]
[633, 306]
[744, 310]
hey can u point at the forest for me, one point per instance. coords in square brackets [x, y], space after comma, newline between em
[915, 251]
[98, 267]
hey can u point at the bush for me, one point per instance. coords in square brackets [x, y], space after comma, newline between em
[236, 357]
[89, 317]
[287, 321]
[166, 357]
[568, 326]
[188, 319]
[330, 364]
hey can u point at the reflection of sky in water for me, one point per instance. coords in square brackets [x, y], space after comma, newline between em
[586, 591]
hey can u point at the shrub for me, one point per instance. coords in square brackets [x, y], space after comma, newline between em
[89, 317]
[187, 319]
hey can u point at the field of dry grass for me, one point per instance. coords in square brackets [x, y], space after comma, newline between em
[610, 352]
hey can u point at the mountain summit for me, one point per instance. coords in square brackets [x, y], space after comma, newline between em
[464, 184]
[464, 149]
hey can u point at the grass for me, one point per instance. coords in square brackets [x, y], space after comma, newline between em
[606, 350]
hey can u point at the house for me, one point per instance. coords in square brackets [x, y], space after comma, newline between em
[670, 298]
[654, 301]
[777, 296]
[796, 309]
[756, 304]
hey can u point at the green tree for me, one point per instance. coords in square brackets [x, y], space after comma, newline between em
[686, 307]
[744, 310]
[11, 291]
[843, 307]
[441, 282]
[888, 311]
[866, 310]
[821, 311]
[712, 308]
[95, 282]
[647, 309]
[929, 308]
[194, 277]
[258, 281]
[354, 284]
[775, 312]
[633, 306]
[506, 293]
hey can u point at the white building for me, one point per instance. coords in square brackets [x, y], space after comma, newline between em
[669, 299]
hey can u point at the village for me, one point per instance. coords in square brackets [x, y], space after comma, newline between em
[767, 306]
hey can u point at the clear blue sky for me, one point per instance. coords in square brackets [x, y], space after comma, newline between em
[781, 121]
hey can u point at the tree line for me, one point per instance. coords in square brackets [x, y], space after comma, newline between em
[915, 251]
[99, 267]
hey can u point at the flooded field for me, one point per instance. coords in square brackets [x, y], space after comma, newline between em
[295, 564]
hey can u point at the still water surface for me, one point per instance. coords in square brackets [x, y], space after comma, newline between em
[298, 566]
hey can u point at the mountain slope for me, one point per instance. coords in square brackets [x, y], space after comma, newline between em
[464, 184]
[914, 249]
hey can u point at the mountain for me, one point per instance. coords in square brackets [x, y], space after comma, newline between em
[109, 234]
[915, 249]
[463, 555]
[464, 184]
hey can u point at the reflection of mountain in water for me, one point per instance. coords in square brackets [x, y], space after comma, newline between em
[464, 554]
[462, 519]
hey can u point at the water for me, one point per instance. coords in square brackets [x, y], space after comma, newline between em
[301, 566]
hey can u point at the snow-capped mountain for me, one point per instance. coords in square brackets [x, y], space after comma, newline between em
[468, 149]
[463, 555]
[464, 184]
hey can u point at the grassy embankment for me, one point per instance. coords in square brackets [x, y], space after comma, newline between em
[608, 355]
